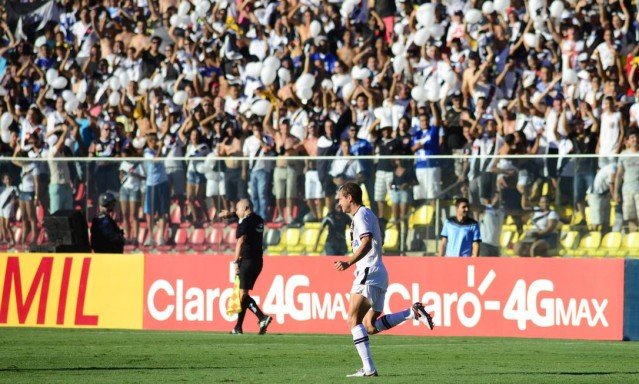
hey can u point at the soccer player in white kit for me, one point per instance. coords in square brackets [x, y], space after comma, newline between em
[371, 280]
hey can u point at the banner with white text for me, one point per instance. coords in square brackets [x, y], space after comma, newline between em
[509, 297]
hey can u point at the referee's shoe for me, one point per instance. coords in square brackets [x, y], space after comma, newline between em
[266, 320]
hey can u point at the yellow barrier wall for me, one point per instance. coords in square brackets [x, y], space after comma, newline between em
[71, 290]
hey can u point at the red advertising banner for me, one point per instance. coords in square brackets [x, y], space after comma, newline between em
[548, 298]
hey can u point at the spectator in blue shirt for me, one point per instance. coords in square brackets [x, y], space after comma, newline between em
[426, 143]
[460, 235]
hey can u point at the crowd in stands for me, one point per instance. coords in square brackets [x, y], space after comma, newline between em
[269, 79]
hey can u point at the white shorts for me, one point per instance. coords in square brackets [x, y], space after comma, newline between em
[630, 205]
[7, 211]
[430, 180]
[599, 208]
[215, 184]
[375, 295]
[312, 186]
[383, 180]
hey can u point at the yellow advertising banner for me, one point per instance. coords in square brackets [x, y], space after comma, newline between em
[71, 290]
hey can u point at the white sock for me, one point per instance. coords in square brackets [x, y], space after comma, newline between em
[360, 338]
[386, 322]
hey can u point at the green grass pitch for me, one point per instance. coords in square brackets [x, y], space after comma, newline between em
[30, 355]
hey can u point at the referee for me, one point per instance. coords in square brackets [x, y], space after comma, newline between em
[460, 235]
[248, 260]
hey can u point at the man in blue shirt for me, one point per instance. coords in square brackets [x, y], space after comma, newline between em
[424, 144]
[460, 235]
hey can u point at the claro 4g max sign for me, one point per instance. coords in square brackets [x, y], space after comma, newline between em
[551, 298]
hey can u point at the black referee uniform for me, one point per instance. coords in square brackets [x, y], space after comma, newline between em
[251, 253]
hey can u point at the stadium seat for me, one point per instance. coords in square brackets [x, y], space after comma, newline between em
[229, 240]
[79, 192]
[421, 216]
[365, 197]
[609, 245]
[320, 246]
[42, 237]
[175, 214]
[505, 240]
[197, 240]
[568, 243]
[215, 239]
[142, 235]
[309, 237]
[290, 238]
[181, 238]
[588, 244]
[391, 239]
[510, 250]
[629, 246]
[39, 214]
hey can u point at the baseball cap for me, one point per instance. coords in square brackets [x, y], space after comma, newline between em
[107, 199]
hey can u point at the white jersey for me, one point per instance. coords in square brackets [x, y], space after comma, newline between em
[369, 269]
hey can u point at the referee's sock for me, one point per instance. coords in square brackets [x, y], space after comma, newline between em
[386, 322]
[249, 303]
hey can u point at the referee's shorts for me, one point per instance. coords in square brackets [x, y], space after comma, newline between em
[249, 271]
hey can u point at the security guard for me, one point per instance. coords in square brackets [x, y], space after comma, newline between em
[106, 236]
[248, 260]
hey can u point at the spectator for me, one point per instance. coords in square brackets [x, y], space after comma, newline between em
[286, 172]
[544, 237]
[491, 220]
[60, 191]
[327, 145]
[156, 198]
[426, 143]
[627, 181]
[385, 145]
[8, 197]
[599, 194]
[131, 177]
[612, 132]
[257, 147]
[28, 185]
[313, 191]
[195, 178]
[105, 172]
[235, 176]
[400, 186]
[337, 223]
[347, 168]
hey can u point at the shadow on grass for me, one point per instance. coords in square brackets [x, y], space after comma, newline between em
[76, 369]
[575, 373]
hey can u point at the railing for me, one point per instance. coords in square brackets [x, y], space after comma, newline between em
[412, 196]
